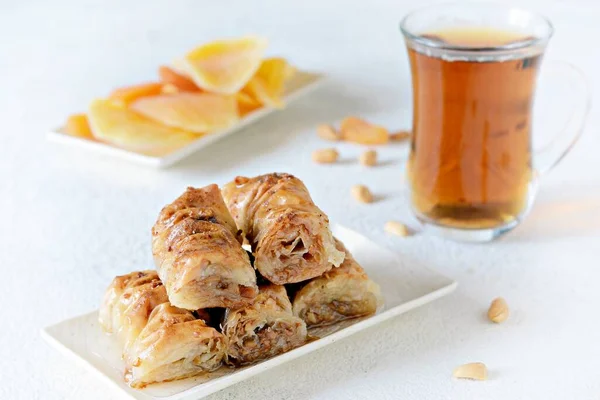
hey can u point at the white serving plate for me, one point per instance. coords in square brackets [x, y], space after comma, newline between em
[302, 83]
[404, 285]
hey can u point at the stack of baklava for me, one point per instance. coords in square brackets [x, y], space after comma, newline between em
[211, 302]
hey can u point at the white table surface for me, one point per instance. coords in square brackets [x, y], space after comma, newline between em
[71, 221]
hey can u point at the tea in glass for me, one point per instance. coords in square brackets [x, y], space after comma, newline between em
[470, 163]
[472, 169]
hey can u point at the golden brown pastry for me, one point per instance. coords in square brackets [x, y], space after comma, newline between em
[289, 234]
[263, 329]
[341, 293]
[173, 345]
[128, 302]
[197, 251]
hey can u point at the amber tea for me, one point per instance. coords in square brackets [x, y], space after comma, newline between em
[470, 163]
[472, 170]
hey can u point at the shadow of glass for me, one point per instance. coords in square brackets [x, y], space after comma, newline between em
[574, 214]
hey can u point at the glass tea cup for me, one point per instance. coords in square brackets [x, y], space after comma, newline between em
[472, 170]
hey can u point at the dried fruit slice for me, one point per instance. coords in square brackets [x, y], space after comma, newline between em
[290, 71]
[179, 65]
[78, 125]
[246, 103]
[128, 94]
[225, 66]
[122, 127]
[360, 131]
[268, 83]
[181, 82]
[169, 88]
[194, 112]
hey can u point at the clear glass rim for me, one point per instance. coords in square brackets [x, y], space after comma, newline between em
[418, 38]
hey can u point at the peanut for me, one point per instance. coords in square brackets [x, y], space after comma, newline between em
[400, 136]
[359, 131]
[328, 132]
[362, 194]
[476, 371]
[368, 158]
[498, 311]
[325, 156]
[396, 228]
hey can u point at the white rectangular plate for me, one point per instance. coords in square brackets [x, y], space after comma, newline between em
[302, 83]
[404, 285]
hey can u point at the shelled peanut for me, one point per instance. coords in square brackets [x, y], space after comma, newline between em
[358, 130]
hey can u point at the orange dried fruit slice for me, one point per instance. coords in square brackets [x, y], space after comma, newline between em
[360, 131]
[129, 94]
[169, 88]
[268, 84]
[122, 127]
[225, 66]
[193, 112]
[170, 76]
[290, 71]
[78, 125]
[179, 65]
[246, 103]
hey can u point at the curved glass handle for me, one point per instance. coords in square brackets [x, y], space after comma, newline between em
[549, 155]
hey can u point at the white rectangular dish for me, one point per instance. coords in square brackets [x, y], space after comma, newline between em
[301, 84]
[404, 285]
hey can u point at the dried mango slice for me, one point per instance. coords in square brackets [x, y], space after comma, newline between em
[290, 71]
[181, 82]
[193, 112]
[78, 125]
[225, 66]
[169, 88]
[129, 94]
[179, 65]
[120, 126]
[360, 131]
[268, 83]
[246, 103]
